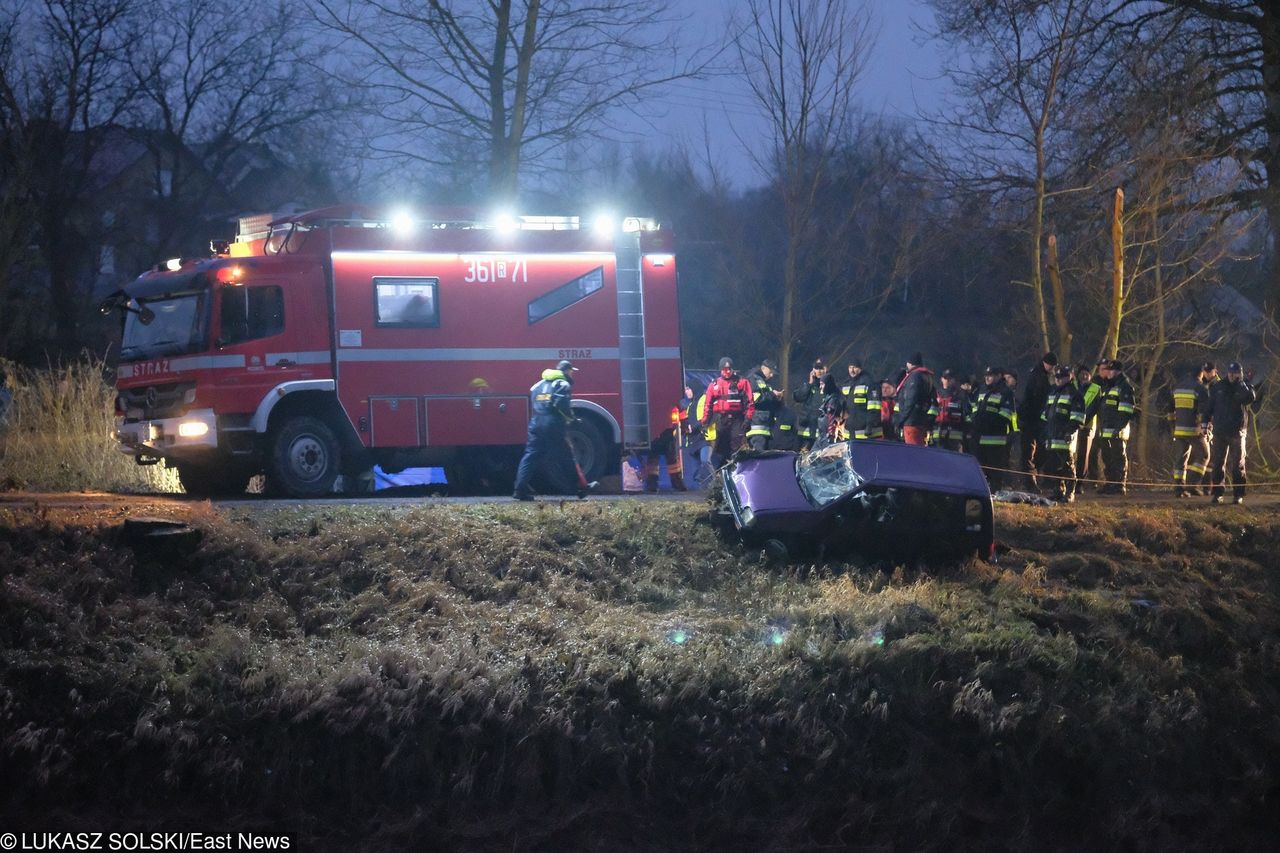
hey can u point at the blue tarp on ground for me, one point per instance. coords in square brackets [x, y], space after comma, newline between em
[407, 477]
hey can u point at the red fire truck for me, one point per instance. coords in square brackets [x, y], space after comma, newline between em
[320, 344]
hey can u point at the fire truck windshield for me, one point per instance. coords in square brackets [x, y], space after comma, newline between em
[180, 325]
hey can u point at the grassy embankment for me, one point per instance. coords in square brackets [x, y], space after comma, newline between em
[60, 431]
[505, 677]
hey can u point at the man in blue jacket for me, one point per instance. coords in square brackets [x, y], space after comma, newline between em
[547, 449]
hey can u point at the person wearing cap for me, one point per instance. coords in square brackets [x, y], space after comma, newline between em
[547, 452]
[1083, 382]
[1030, 412]
[1190, 457]
[992, 424]
[862, 404]
[953, 414]
[1228, 400]
[809, 398]
[766, 401]
[1115, 411]
[916, 408]
[1062, 418]
[729, 407]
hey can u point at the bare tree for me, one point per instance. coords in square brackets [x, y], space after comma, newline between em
[503, 83]
[215, 78]
[62, 91]
[1021, 66]
[802, 60]
[1237, 43]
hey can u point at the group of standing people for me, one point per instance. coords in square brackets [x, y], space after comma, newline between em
[1067, 421]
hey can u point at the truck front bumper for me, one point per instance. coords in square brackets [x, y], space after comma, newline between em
[196, 430]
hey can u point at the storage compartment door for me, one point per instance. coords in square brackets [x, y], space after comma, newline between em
[393, 422]
[458, 421]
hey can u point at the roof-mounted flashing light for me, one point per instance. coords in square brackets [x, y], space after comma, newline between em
[173, 264]
[231, 275]
[403, 222]
[506, 223]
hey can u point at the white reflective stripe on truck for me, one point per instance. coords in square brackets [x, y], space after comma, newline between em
[493, 354]
[173, 365]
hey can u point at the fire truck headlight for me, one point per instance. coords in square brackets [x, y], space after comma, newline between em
[631, 225]
[193, 429]
[402, 222]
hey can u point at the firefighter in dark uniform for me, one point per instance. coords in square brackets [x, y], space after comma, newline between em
[729, 407]
[1062, 418]
[1228, 400]
[1190, 456]
[953, 414]
[992, 424]
[784, 430]
[1039, 383]
[546, 451]
[765, 405]
[1115, 410]
[862, 405]
[809, 399]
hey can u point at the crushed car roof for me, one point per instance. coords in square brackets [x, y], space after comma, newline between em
[891, 464]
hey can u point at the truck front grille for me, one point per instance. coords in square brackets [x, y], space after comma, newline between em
[155, 401]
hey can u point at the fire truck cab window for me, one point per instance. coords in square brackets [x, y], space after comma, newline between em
[409, 302]
[249, 313]
[565, 295]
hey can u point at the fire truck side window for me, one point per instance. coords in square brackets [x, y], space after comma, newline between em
[249, 313]
[407, 302]
[565, 295]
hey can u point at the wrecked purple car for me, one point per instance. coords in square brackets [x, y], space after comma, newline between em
[876, 497]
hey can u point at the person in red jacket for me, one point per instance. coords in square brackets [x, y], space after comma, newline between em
[730, 406]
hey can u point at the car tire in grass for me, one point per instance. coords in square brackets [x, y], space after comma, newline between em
[589, 449]
[204, 480]
[305, 458]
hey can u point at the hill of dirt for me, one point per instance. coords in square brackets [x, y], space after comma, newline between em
[613, 676]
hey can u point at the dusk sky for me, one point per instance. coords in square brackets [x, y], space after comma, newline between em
[901, 77]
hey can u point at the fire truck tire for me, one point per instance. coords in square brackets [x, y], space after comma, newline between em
[589, 447]
[212, 481]
[305, 458]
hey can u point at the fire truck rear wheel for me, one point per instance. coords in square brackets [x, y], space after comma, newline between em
[588, 447]
[305, 458]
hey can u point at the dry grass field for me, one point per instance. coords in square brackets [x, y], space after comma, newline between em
[613, 676]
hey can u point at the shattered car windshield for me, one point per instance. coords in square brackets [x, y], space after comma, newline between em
[179, 326]
[827, 474]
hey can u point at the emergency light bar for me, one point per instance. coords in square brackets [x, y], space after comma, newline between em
[259, 226]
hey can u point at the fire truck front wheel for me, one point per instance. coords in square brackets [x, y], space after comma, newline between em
[305, 458]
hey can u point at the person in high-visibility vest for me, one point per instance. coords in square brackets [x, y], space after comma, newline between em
[702, 440]
[766, 401]
[1061, 418]
[993, 418]
[1190, 458]
[809, 398]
